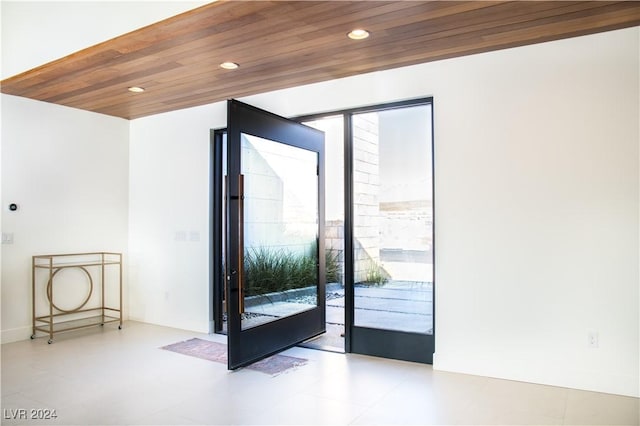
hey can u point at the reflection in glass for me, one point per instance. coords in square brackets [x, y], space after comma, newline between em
[280, 274]
[393, 220]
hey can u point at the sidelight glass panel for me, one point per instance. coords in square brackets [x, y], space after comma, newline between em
[333, 128]
[393, 219]
[280, 230]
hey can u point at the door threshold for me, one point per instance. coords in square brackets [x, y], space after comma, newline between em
[325, 348]
[332, 340]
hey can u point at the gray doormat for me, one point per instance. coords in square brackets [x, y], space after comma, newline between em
[217, 352]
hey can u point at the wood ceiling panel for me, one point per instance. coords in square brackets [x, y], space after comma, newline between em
[282, 44]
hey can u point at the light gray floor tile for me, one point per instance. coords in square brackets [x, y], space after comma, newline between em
[122, 377]
[593, 408]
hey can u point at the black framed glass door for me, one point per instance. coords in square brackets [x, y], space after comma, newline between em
[274, 220]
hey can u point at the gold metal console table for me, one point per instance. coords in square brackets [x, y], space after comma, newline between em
[101, 304]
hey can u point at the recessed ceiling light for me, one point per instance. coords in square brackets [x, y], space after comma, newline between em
[136, 89]
[358, 34]
[229, 65]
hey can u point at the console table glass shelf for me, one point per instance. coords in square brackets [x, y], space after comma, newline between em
[99, 305]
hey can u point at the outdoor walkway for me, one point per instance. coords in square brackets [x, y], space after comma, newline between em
[396, 305]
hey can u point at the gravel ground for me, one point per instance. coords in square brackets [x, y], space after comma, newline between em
[311, 300]
[246, 315]
[306, 300]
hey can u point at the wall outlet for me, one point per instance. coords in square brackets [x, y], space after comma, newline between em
[593, 339]
[7, 238]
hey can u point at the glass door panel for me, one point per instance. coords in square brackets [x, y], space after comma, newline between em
[334, 338]
[280, 230]
[275, 278]
[393, 233]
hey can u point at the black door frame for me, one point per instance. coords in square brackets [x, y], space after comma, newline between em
[216, 237]
[385, 343]
[407, 346]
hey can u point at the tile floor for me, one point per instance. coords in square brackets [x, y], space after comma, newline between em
[106, 376]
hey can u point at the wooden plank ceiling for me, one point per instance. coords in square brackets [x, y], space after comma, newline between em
[281, 44]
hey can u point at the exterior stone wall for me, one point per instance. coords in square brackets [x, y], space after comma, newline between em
[366, 204]
[334, 242]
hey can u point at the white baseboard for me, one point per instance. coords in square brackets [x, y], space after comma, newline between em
[541, 373]
[23, 333]
[15, 334]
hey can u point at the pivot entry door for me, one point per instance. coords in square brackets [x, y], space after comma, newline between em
[274, 250]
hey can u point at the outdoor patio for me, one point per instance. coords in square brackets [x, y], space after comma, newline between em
[395, 305]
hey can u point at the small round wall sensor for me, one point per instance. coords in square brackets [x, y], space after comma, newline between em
[13, 207]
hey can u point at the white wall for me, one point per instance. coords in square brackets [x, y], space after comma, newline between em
[536, 220]
[37, 32]
[67, 169]
[169, 217]
[537, 217]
